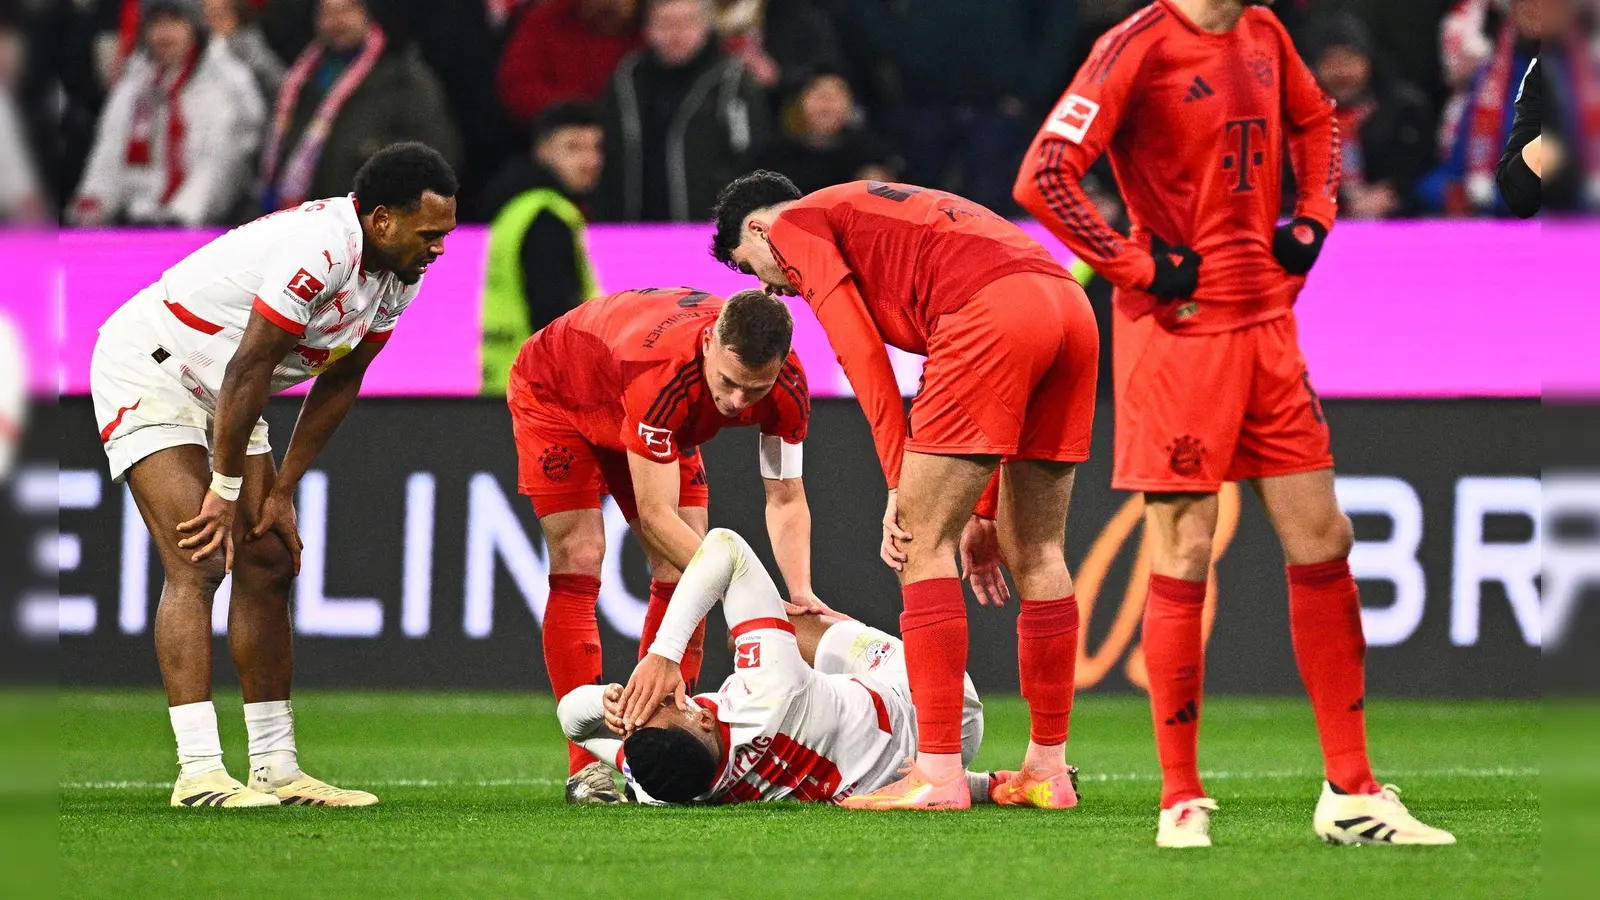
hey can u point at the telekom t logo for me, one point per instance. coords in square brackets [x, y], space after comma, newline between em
[1246, 140]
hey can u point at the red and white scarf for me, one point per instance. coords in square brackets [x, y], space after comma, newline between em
[292, 181]
[161, 93]
[1487, 138]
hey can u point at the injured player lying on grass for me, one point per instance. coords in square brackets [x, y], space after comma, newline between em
[818, 707]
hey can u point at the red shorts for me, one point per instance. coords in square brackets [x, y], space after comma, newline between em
[561, 470]
[1195, 411]
[1011, 373]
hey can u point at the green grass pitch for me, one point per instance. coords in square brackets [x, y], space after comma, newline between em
[472, 807]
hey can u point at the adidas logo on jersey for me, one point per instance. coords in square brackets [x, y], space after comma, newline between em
[1199, 90]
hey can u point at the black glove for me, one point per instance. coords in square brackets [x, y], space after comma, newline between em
[1177, 270]
[1297, 244]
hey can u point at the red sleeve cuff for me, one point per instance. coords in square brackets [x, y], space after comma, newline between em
[378, 337]
[749, 625]
[298, 329]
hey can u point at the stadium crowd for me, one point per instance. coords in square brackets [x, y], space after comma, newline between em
[209, 112]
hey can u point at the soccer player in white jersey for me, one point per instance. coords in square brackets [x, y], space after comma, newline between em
[183, 371]
[815, 713]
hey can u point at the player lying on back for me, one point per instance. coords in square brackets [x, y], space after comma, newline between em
[816, 710]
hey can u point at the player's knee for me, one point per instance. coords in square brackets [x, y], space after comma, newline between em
[267, 565]
[579, 554]
[1338, 537]
[202, 577]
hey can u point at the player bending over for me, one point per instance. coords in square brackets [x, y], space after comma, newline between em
[616, 397]
[815, 710]
[1194, 101]
[1012, 352]
[184, 369]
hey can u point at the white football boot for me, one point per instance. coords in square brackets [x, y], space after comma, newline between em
[1371, 819]
[218, 789]
[595, 784]
[1186, 824]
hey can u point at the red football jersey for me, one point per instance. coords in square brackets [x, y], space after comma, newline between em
[1195, 124]
[915, 253]
[629, 370]
[879, 264]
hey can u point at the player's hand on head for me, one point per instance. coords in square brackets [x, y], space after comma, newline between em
[277, 516]
[210, 531]
[611, 704]
[655, 679]
[893, 535]
[981, 561]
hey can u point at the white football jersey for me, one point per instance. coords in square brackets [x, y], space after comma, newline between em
[794, 733]
[301, 268]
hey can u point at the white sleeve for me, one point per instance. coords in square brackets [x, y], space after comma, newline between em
[780, 460]
[583, 721]
[297, 277]
[726, 568]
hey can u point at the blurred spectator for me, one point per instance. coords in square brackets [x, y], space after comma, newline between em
[683, 119]
[565, 50]
[348, 95]
[1466, 41]
[779, 41]
[538, 256]
[1384, 123]
[823, 143]
[21, 194]
[977, 79]
[234, 22]
[1464, 182]
[179, 131]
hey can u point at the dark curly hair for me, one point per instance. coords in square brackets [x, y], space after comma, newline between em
[671, 764]
[398, 175]
[743, 196]
[756, 327]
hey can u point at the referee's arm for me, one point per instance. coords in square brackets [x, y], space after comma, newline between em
[1519, 185]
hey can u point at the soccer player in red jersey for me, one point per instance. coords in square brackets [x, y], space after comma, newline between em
[1011, 351]
[617, 396]
[1194, 101]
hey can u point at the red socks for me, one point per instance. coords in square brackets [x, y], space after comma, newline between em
[572, 644]
[1174, 659]
[693, 654]
[1330, 650]
[1047, 657]
[934, 629]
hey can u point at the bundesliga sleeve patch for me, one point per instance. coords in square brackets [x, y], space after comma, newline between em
[305, 286]
[747, 655]
[1073, 118]
[657, 440]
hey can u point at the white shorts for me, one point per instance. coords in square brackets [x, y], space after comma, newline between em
[141, 405]
[852, 648]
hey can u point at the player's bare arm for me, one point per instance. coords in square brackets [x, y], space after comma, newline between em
[789, 528]
[246, 386]
[332, 395]
[655, 485]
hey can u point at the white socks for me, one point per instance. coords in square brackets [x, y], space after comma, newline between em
[978, 787]
[199, 747]
[271, 728]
